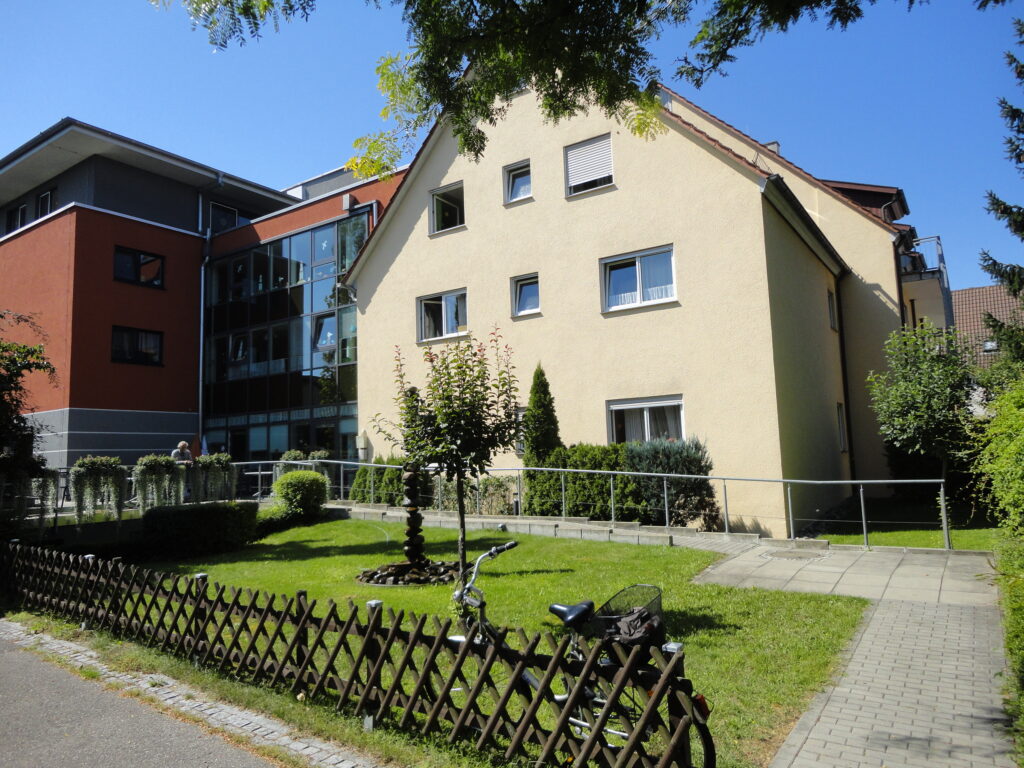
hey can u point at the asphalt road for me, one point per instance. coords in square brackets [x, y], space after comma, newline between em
[51, 717]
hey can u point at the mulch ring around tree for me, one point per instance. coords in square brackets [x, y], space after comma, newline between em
[425, 572]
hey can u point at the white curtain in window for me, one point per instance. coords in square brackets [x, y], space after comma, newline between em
[622, 290]
[665, 422]
[634, 421]
[656, 277]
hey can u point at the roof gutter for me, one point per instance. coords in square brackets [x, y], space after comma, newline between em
[786, 203]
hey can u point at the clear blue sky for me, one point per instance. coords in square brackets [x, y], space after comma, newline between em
[901, 98]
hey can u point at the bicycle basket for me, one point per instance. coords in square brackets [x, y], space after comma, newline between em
[606, 619]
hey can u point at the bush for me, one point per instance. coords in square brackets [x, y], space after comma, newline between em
[303, 494]
[1010, 564]
[1002, 457]
[198, 529]
[688, 500]
[636, 498]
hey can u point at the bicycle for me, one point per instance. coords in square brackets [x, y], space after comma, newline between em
[678, 722]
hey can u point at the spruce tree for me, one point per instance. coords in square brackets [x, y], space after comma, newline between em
[540, 424]
[1009, 335]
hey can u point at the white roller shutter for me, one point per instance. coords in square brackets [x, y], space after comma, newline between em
[588, 160]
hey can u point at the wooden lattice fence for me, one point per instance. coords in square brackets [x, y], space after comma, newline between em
[529, 697]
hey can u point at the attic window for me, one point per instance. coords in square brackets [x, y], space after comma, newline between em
[588, 165]
[447, 208]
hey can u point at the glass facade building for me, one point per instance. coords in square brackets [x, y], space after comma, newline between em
[279, 367]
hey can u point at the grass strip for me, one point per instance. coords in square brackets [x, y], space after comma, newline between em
[759, 656]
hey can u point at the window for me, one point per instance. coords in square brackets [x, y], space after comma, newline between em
[442, 315]
[132, 266]
[222, 217]
[645, 420]
[637, 279]
[517, 182]
[17, 217]
[989, 346]
[525, 295]
[133, 345]
[833, 321]
[44, 204]
[588, 165]
[447, 208]
[841, 425]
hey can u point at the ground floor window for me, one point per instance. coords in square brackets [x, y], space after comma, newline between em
[646, 419]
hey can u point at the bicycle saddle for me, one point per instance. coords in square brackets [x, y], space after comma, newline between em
[573, 615]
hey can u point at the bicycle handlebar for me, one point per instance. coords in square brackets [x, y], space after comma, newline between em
[462, 595]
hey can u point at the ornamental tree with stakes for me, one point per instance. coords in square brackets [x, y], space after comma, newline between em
[464, 414]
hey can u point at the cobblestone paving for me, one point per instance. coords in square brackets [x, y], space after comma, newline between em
[259, 729]
[921, 689]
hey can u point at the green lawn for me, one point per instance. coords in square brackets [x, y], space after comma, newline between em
[967, 538]
[758, 655]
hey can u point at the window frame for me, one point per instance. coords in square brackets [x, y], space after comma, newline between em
[645, 404]
[225, 207]
[48, 196]
[833, 317]
[17, 217]
[137, 264]
[421, 324]
[636, 257]
[135, 337]
[517, 283]
[509, 172]
[595, 182]
[435, 197]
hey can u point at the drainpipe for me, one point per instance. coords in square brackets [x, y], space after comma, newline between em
[207, 236]
[845, 376]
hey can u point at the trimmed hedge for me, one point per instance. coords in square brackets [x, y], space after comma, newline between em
[1010, 564]
[198, 529]
[386, 487]
[636, 498]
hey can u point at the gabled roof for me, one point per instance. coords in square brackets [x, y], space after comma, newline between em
[764, 149]
[771, 184]
[69, 142]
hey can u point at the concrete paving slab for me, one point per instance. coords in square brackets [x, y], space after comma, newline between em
[864, 579]
[952, 597]
[805, 585]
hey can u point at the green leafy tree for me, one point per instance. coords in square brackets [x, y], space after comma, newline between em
[575, 55]
[18, 461]
[1009, 335]
[465, 413]
[922, 399]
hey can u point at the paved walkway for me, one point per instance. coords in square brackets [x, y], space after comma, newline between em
[921, 687]
[49, 717]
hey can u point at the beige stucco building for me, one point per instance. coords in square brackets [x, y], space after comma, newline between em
[695, 284]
